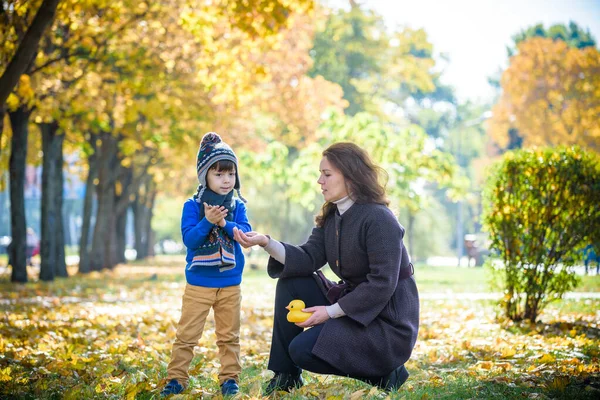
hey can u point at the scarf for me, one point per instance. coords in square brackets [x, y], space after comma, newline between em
[218, 249]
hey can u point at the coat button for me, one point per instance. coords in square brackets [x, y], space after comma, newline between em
[337, 263]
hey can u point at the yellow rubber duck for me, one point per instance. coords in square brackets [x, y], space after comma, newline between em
[296, 314]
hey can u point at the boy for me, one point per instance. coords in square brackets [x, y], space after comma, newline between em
[214, 266]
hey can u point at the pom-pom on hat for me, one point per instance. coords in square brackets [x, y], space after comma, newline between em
[213, 149]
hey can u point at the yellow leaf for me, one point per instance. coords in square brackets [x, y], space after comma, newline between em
[133, 390]
[547, 358]
[508, 352]
[504, 365]
[5, 374]
[357, 395]
[485, 365]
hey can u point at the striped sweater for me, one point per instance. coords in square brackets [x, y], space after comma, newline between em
[195, 231]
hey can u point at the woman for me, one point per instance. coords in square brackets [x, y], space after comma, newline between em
[366, 326]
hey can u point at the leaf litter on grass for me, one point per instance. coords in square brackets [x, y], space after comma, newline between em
[109, 335]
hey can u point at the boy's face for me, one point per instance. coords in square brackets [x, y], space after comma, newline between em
[220, 182]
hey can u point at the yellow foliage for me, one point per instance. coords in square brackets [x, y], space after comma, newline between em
[547, 358]
[12, 102]
[5, 374]
[551, 95]
[508, 352]
[359, 394]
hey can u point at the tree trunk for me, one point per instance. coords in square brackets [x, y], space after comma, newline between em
[60, 268]
[138, 227]
[141, 240]
[122, 204]
[142, 214]
[103, 242]
[149, 207]
[112, 257]
[121, 237]
[27, 48]
[84, 242]
[50, 213]
[532, 306]
[19, 121]
[2, 114]
[52, 249]
[151, 233]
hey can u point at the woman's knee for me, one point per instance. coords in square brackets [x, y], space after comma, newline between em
[284, 284]
[300, 353]
[289, 287]
[296, 285]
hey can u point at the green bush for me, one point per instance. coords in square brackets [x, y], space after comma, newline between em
[541, 207]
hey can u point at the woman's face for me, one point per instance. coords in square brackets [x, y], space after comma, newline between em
[333, 184]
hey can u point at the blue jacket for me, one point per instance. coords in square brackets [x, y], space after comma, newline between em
[195, 231]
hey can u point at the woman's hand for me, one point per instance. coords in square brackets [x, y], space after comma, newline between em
[249, 239]
[215, 214]
[319, 316]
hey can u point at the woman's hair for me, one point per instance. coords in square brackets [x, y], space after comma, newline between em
[361, 176]
[223, 165]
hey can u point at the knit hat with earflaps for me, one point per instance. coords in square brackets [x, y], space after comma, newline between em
[213, 149]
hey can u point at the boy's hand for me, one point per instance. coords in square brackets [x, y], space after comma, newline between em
[215, 214]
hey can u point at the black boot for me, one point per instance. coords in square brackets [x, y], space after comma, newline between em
[284, 382]
[391, 381]
[394, 379]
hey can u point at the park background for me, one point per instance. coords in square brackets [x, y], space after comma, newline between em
[98, 144]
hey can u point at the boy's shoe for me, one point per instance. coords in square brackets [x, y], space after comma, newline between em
[230, 388]
[282, 381]
[173, 387]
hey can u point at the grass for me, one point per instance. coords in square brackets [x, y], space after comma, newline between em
[109, 335]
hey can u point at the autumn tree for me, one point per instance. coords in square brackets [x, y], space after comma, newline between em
[19, 46]
[176, 60]
[402, 152]
[22, 28]
[213, 70]
[375, 67]
[377, 71]
[541, 209]
[415, 169]
[550, 95]
[286, 116]
[572, 34]
[347, 50]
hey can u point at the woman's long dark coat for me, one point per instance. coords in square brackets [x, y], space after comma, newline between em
[380, 328]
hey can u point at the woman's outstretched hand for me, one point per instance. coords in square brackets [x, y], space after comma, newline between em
[249, 239]
[319, 316]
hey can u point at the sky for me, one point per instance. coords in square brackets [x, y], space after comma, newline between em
[475, 33]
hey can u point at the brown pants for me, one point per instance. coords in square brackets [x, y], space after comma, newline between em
[197, 301]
